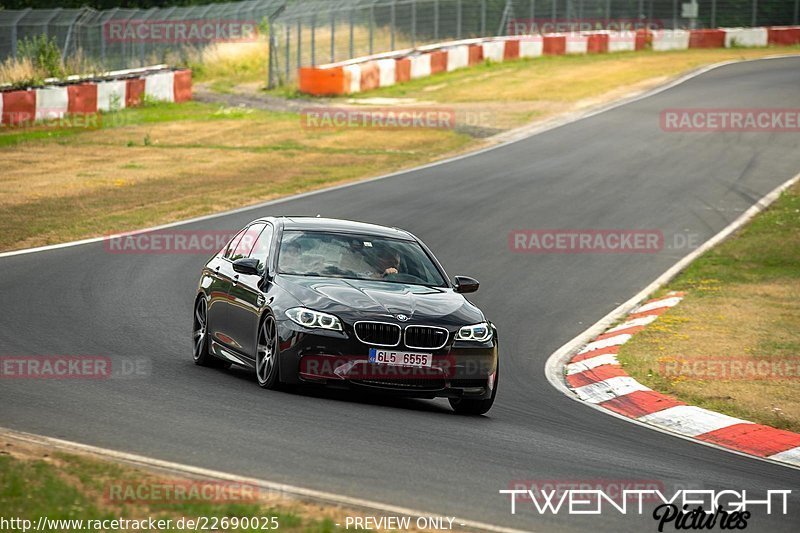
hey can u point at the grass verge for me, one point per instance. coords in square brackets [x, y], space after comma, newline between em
[742, 307]
[38, 482]
[163, 163]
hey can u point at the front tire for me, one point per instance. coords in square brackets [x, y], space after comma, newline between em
[476, 407]
[200, 353]
[267, 354]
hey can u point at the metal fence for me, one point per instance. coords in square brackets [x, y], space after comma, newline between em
[309, 32]
[90, 32]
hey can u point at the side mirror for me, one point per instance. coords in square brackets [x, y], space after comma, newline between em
[246, 265]
[464, 284]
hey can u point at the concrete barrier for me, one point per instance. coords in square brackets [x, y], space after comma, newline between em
[111, 94]
[748, 37]
[83, 98]
[403, 65]
[706, 39]
[494, 51]
[51, 103]
[783, 35]
[160, 86]
[623, 41]
[387, 69]
[577, 44]
[531, 46]
[597, 42]
[554, 44]
[665, 40]
[457, 57]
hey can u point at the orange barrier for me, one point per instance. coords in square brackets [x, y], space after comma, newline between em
[597, 43]
[82, 98]
[370, 76]
[182, 87]
[18, 107]
[475, 54]
[438, 61]
[511, 50]
[554, 45]
[134, 92]
[402, 70]
[644, 39]
[783, 36]
[706, 39]
[322, 82]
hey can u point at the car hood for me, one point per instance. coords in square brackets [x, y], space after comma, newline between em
[353, 299]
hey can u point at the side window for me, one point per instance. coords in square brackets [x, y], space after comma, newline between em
[246, 243]
[262, 246]
[232, 245]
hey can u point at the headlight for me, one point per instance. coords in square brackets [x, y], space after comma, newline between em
[308, 318]
[477, 332]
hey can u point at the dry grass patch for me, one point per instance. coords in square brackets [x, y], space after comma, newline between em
[742, 306]
[556, 82]
[117, 179]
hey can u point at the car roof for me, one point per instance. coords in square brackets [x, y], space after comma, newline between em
[307, 223]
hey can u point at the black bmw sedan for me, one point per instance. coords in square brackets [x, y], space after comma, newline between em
[306, 300]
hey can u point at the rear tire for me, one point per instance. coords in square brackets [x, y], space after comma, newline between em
[464, 406]
[200, 353]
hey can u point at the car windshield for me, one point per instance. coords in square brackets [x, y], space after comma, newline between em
[368, 257]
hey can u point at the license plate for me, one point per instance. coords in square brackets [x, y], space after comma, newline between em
[393, 357]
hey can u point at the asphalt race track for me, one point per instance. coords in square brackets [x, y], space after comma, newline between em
[617, 169]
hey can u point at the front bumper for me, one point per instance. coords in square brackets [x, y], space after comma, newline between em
[337, 359]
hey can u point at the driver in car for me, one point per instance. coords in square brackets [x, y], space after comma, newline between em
[388, 262]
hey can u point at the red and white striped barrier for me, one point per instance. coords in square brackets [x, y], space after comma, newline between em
[382, 70]
[86, 96]
[595, 375]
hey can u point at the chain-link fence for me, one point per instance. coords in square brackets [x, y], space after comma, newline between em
[127, 38]
[315, 32]
[310, 32]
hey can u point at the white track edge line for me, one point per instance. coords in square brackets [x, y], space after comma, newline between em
[289, 490]
[557, 361]
[524, 132]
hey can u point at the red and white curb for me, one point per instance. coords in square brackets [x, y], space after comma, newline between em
[595, 375]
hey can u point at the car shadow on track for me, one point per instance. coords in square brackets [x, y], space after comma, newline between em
[350, 396]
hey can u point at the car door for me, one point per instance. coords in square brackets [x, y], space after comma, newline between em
[247, 296]
[227, 315]
[221, 273]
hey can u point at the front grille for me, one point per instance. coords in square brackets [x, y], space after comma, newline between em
[426, 337]
[378, 333]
